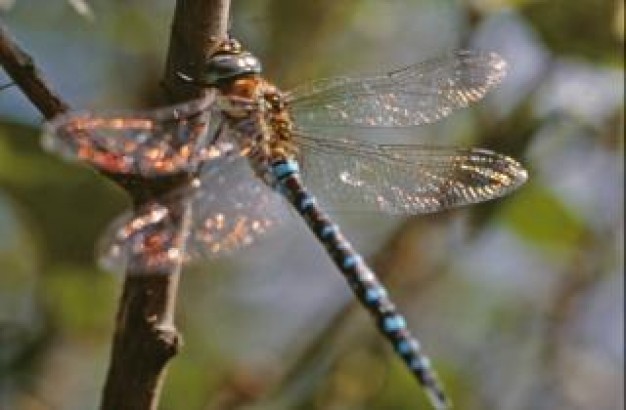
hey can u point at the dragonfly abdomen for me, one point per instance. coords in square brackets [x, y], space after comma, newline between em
[361, 279]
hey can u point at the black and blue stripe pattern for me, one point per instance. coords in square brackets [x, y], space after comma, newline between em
[362, 280]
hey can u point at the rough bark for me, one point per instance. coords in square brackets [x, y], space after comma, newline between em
[146, 337]
[22, 69]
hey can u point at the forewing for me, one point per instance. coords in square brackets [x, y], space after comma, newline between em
[418, 94]
[404, 179]
[149, 143]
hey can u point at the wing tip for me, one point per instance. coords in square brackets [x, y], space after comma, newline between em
[510, 173]
[515, 170]
[496, 67]
[499, 67]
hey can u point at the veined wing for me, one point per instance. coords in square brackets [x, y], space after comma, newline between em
[230, 209]
[233, 208]
[149, 143]
[418, 94]
[404, 179]
[148, 241]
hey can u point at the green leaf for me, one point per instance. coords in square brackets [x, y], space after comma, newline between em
[584, 28]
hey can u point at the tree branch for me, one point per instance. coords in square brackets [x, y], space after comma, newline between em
[22, 70]
[197, 29]
[146, 337]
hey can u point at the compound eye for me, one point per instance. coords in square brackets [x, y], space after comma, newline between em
[221, 67]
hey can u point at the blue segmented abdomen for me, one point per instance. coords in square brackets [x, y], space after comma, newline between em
[362, 280]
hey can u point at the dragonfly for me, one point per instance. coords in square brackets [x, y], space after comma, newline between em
[249, 153]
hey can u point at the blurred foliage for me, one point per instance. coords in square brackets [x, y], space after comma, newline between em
[584, 28]
[45, 185]
[500, 294]
[70, 286]
[551, 226]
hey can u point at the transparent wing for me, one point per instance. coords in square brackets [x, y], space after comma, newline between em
[418, 94]
[150, 143]
[404, 179]
[148, 241]
[230, 209]
[233, 208]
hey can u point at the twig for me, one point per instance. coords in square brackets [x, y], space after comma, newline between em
[146, 336]
[197, 29]
[22, 70]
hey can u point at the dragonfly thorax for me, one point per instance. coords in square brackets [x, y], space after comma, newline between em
[257, 110]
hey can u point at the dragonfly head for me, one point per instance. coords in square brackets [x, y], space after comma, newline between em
[229, 62]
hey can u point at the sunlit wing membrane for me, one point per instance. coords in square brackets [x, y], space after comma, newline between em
[230, 209]
[404, 179]
[418, 94]
[151, 143]
[149, 241]
[233, 208]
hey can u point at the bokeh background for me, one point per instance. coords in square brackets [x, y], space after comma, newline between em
[519, 301]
